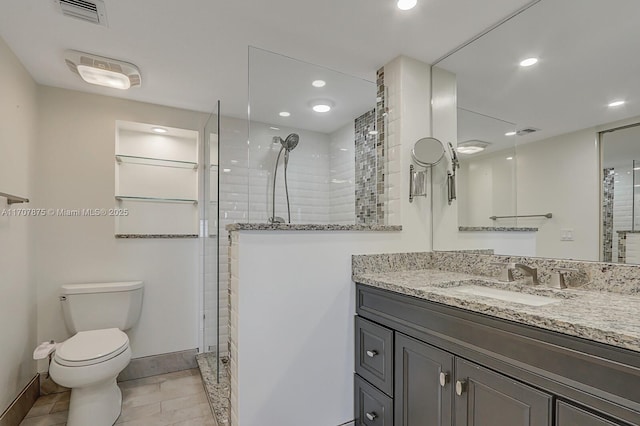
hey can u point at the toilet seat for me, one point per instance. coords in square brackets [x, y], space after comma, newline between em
[91, 347]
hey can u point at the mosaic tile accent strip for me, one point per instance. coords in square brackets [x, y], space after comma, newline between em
[607, 215]
[366, 165]
[622, 246]
[381, 119]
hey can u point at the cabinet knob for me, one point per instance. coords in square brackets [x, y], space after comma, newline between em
[372, 353]
[444, 379]
[372, 415]
[461, 387]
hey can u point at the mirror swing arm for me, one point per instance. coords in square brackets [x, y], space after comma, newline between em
[451, 174]
[428, 152]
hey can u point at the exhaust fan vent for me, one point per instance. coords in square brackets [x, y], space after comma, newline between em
[92, 11]
[103, 71]
[524, 132]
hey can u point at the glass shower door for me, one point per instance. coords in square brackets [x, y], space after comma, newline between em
[209, 235]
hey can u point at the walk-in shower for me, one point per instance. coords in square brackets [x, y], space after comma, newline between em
[288, 144]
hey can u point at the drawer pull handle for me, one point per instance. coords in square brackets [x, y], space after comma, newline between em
[372, 353]
[461, 387]
[371, 416]
[444, 379]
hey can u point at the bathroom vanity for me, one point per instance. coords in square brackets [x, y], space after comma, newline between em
[431, 349]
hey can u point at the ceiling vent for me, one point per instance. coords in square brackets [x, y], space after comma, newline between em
[526, 131]
[92, 11]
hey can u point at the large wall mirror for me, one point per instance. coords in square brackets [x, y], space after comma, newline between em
[549, 147]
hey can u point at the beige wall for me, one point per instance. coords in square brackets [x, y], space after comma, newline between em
[75, 158]
[561, 175]
[18, 115]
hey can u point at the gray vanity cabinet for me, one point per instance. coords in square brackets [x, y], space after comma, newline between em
[452, 367]
[423, 388]
[570, 415]
[486, 398]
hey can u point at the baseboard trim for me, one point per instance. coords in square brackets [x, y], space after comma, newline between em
[159, 364]
[20, 406]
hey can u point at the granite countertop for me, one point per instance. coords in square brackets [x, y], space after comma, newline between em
[309, 227]
[495, 229]
[604, 317]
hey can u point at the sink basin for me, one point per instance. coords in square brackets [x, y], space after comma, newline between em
[506, 295]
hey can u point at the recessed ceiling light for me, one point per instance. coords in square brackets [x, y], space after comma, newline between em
[322, 108]
[284, 114]
[509, 158]
[510, 134]
[159, 130]
[226, 170]
[616, 103]
[528, 62]
[344, 149]
[319, 83]
[406, 4]
[373, 132]
[321, 105]
[472, 147]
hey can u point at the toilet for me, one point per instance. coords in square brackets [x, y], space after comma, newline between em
[89, 361]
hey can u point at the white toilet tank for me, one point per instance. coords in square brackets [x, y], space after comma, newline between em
[101, 305]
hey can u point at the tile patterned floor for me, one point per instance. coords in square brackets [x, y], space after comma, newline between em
[174, 399]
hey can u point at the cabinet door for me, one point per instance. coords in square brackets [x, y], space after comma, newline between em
[423, 389]
[568, 415]
[486, 398]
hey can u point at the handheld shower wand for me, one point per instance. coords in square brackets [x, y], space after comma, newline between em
[288, 145]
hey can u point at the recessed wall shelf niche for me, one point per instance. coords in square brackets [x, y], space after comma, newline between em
[156, 180]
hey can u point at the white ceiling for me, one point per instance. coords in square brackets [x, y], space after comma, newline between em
[589, 55]
[193, 52]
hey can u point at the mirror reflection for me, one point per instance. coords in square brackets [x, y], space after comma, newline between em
[536, 105]
[427, 152]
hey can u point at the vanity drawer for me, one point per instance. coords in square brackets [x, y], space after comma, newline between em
[373, 408]
[374, 354]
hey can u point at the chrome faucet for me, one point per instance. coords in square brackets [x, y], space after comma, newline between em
[507, 272]
[558, 279]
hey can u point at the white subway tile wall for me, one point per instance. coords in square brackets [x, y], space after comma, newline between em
[320, 176]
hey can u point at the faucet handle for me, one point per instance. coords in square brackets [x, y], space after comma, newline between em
[506, 274]
[558, 277]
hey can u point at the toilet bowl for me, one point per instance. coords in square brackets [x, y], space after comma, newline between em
[97, 315]
[89, 363]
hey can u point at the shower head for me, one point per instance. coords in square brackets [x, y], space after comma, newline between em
[290, 142]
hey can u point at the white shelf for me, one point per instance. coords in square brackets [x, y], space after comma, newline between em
[155, 199]
[159, 162]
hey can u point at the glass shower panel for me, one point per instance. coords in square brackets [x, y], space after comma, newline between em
[209, 236]
[319, 126]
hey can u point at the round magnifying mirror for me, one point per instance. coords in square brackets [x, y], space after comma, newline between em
[428, 152]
